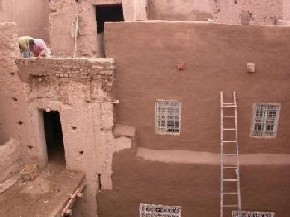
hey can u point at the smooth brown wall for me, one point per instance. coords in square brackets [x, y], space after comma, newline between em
[147, 55]
[194, 187]
[31, 16]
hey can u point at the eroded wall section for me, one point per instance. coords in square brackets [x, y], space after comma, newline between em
[80, 90]
[248, 12]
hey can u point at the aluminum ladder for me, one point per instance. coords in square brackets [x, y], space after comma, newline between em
[230, 190]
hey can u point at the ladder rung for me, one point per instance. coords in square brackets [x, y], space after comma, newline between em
[228, 116]
[228, 103]
[229, 106]
[230, 193]
[229, 128]
[230, 180]
[229, 141]
[230, 205]
[230, 154]
[230, 167]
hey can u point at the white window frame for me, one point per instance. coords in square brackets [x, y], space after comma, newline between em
[264, 119]
[162, 124]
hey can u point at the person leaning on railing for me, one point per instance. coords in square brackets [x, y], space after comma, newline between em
[38, 48]
[23, 42]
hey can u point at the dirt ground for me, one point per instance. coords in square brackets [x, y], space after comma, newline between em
[42, 197]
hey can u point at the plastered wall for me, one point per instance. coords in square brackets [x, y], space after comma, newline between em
[31, 16]
[215, 58]
[248, 12]
[194, 187]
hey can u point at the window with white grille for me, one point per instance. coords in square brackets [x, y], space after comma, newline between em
[168, 117]
[265, 120]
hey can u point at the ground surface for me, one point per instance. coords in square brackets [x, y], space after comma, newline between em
[42, 197]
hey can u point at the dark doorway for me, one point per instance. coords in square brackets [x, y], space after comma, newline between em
[53, 137]
[108, 13]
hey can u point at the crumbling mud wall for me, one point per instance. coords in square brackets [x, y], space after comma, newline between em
[63, 24]
[215, 58]
[80, 90]
[10, 162]
[248, 12]
[14, 117]
[31, 16]
[176, 10]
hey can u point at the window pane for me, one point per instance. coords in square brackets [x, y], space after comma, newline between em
[167, 116]
[265, 119]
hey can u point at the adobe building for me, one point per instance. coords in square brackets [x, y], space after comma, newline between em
[125, 118]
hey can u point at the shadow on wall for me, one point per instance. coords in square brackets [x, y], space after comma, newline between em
[106, 13]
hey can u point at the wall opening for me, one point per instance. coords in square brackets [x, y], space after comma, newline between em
[106, 13]
[53, 137]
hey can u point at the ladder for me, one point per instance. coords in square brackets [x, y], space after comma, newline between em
[230, 190]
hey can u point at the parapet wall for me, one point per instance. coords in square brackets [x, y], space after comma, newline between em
[97, 71]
